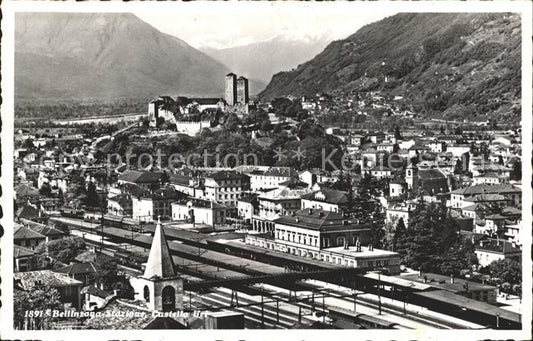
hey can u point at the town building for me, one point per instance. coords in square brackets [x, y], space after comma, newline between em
[464, 287]
[269, 178]
[148, 207]
[490, 250]
[397, 187]
[282, 201]
[507, 191]
[247, 207]
[23, 259]
[326, 236]
[68, 288]
[145, 179]
[27, 238]
[326, 199]
[226, 187]
[428, 181]
[83, 272]
[198, 211]
[120, 205]
[399, 211]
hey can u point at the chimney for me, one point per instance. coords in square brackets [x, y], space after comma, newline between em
[420, 273]
[310, 211]
[452, 279]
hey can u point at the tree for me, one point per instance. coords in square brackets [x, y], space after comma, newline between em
[60, 197]
[397, 133]
[107, 270]
[36, 299]
[45, 189]
[432, 242]
[516, 172]
[62, 250]
[377, 231]
[91, 198]
[507, 270]
[28, 144]
[266, 125]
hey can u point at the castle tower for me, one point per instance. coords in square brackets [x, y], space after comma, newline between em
[230, 94]
[159, 286]
[242, 90]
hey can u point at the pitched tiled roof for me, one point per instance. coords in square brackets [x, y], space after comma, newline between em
[25, 190]
[179, 179]
[316, 219]
[26, 233]
[280, 172]
[47, 278]
[122, 199]
[92, 290]
[27, 212]
[331, 196]
[167, 193]
[484, 188]
[164, 323]
[206, 101]
[227, 175]
[486, 197]
[135, 176]
[78, 268]
[20, 251]
[252, 198]
[497, 246]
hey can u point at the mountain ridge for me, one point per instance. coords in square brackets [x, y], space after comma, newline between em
[107, 56]
[455, 65]
[261, 60]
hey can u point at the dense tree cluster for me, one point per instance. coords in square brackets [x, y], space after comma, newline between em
[507, 273]
[37, 299]
[58, 110]
[432, 243]
[62, 250]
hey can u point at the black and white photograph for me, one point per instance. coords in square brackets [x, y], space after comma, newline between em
[262, 167]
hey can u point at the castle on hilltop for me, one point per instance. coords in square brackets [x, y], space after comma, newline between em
[191, 115]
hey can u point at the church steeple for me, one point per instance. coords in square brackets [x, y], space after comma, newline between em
[159, 260]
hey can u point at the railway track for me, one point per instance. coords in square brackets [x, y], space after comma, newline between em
[304, 302]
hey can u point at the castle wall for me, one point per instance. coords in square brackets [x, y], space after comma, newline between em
[191, 128]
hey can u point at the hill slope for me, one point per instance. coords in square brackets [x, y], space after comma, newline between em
[263, 59]
[105, 56]
[445, 64]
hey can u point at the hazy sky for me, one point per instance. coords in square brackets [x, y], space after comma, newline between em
[227, 24]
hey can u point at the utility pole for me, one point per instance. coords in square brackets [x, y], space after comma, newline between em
[262, 311]
[324, 307]
[277, 310]
[354, 298]
[379, 292]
